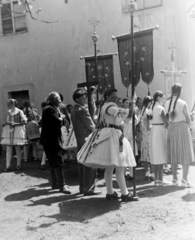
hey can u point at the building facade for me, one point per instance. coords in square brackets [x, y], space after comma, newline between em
[37, 58]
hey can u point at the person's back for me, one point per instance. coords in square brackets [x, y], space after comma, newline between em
[82, 124]
[179, 109]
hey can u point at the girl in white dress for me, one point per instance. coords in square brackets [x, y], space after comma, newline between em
[158, 137]
[180, 147]
[108, 148]
[15, 118]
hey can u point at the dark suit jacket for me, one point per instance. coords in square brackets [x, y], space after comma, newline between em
[82, 124]
[51, 127]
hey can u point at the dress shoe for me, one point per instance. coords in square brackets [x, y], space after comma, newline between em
[147, 178]
[55, 186]
[65, 189]
[113, 196]
[7, 169]
[90, 193]
[186, 184]
[128, 178]
[127, 198]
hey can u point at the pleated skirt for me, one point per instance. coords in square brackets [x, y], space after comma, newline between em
[180, 146]
[102, 150]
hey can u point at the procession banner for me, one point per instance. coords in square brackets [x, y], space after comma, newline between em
[105, 71]
[143, 52]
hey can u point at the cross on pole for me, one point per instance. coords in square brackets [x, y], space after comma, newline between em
[172, 52]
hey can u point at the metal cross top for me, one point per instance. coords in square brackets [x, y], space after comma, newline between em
[94, 21]
[172, 52]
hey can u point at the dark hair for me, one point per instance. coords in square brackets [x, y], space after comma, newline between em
[43, 104]
[26, 103]
[146, 101]
[108, 92]
[155, 97]
[125, 99]
[79, 92]
[12, 101]
[175, 91]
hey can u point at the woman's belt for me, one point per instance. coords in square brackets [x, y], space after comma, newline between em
[120, 138]
[115, 126]
[157, 123]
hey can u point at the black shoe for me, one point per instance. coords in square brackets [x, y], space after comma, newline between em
[7, 169]
[151, 179]
[55, 186]
[113, 196]
[43, 167]
[90, 193]
[147, 178]
[127, 198]
[128, 178]
[18, 167]
[65, 190]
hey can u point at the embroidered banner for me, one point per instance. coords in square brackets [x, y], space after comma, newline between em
[143, 53]
[105, 71]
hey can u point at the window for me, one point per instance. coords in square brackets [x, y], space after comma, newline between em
[142, 4]
[13, 18]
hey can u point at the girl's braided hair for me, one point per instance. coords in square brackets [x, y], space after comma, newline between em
[175, 91]
[155, 97]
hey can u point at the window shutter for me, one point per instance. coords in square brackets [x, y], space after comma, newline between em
[19, 17]
[6, 15]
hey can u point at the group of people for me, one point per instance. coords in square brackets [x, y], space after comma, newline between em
[21, 132]
[105, 140]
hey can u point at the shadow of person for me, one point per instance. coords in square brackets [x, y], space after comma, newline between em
[84, 209]
[189, 197]
[41, 193]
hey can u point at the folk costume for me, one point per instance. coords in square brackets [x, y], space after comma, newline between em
[83, 126]
[107, 145]
[14, 134]
[32, 127]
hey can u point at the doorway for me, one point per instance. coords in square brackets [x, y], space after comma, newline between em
[20, 96]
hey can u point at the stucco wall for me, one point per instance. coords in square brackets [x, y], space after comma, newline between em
[48, 55]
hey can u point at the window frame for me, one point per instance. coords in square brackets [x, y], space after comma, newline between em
[13, 18]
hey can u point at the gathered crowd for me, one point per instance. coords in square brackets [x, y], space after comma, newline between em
[113, 135]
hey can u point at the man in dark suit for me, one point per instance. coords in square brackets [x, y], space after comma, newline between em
[51, 139]
[83, 127]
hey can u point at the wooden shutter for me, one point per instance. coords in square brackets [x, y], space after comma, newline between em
[6, 16]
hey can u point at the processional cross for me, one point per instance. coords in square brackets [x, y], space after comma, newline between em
[173, 75]
[94, 22]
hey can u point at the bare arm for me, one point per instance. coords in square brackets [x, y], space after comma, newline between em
[186, 114]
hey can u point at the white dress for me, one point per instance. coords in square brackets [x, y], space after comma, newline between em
[103, 146]
[158, 137]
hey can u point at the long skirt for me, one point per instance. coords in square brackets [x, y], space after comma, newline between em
[158, 140]
[180, 146]
[102, 149]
